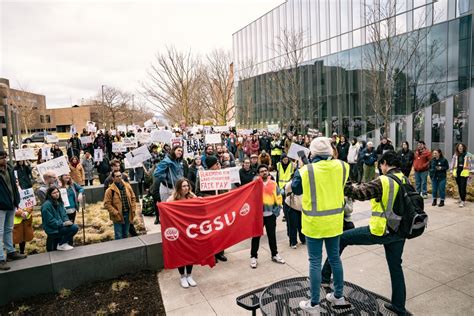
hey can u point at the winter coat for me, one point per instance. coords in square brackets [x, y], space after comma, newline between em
[103, 167]
[436, 174]
[343, 150]
[113, 203]
[168, 171]
[246, 176]
[406, 158]
[25, 177]
[353, 154]
[88, 165]
[77, 173]
[422, 160]
[254, 147]
[53, 217]
[369, 157]
[7, 201]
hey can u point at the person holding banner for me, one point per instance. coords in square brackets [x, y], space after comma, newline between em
[183, 192]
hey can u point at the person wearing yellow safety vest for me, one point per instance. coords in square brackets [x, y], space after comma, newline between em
[382, 192]
[23, 227]
[321, 184]
[461, 166]
[285, 170]
[276, 146]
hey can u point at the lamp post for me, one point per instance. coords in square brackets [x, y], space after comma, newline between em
[4, 93]
[102, 107]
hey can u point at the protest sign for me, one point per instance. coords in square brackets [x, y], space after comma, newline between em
[273, 128]
[27, 198]
[176, 141]
[98, 155]
[222, 179]
[294, 149]
[129, 165]
[72, 129]
[64, 197]
[144, 138]
[24, 154]
[52, 139]
[132, 128]
[138, 155]
[312, 132]
[91, 127]
[161, 136]
[58, 165]
[113, 132]
[118, 147]
[86, 140]
[213, 138]
[148, 123]
[234, 176]
[122, 128]
[221, 129]
[46, 153]
[129, 142]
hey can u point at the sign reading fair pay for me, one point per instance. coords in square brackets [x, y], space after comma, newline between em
[211, 180]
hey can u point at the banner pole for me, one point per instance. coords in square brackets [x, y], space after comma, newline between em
[83, 219]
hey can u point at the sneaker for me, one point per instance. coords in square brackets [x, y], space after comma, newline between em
[4, 266]
[461, 204]
[15, 256]
[64, 247]
[335, 301]
[253, 263]
[184, 282]
[306, 306]
[293, 247]
[191, 281]
[441, 204]
[278, 259]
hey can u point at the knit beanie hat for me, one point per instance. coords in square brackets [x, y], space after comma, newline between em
[211, 161]
[321, 146]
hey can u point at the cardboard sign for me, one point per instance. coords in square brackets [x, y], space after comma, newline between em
[213, 138]
[118, 147]
[46, 153]
[64, 197]
[161, 136]
[24, 154]
[27, 198]
[52, 139]
[58, 165]
[138, 155]
[129, 142]
[294, 149]
[273, 128]
[86, 140]
[98, 155]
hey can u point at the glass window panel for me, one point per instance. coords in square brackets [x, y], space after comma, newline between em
[461, 118]
[401, 6]
[438, 121]
[453, 50]
[258, 40]
[401, 23]
[314, 19]
[315, 51]
[297, 17]
[357, 38]
[345, 44]
[419, 18]
[463, 7]
[290, 26]
[357, 6]
[437, 53]
[306, 27]
[334, 45]
[323, 9]
[345, 18]
[440, 11]
[418, 3]
[333, 18]
[324, 48]
[418, 127]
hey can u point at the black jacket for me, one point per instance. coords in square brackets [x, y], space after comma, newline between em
[24, 176]
[246, 176]
[343, 151]
[7, 201]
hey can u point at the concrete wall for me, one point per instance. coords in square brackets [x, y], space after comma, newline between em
[96, 193]
[53, 271]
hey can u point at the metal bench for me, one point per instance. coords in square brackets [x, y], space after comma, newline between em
[251, 300]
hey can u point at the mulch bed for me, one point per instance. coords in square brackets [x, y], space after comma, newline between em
[130, 294]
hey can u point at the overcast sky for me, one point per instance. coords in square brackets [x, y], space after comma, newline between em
[67, 49]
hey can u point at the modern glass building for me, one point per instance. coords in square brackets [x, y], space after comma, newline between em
[328, 48]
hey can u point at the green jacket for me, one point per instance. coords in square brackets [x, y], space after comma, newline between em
[53, 217]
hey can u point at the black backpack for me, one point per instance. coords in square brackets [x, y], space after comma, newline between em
[410, 206]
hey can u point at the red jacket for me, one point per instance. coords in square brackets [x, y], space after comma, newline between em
[422, 160]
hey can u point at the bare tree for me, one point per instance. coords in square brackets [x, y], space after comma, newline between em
[27, 107]
[247, 89]
[115, 102]
[172, 84]
[219, 86]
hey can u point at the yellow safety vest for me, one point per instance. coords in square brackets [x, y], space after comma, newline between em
[19, 219]
[275, 151]
[284, 176]
[383, 210]
[323, 198]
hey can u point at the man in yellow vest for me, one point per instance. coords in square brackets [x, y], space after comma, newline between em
[322, 185]
[382, 193]
[285, 170]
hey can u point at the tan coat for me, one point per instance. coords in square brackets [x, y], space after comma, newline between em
[77, 174]
[113, 203]
[23, 231]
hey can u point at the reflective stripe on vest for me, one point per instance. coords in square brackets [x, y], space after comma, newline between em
[464, 173]
[284, 176]
[323, 198]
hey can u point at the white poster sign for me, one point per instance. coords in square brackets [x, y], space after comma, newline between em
[211, 180]
[148, 123]
[64, 197]
[58, 165]
[118, 147]
[129, 142]
[122, 128]
[128, 165]
[27, 198]
[24, 154]
[46, 153]
[273, 128]
[312, 132]
[233, 174]
[138, 155]
[52, 139]
[144, 138]
[294, 149]
[86, 140]
[221, 129]
[161, 136]
[98, 155]
[176, 141]
[213, 138]
[72, 129]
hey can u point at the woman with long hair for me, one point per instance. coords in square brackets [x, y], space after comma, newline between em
[406, 157]
[77, 171]
[461, 166]
[74, 194]
[181, 192]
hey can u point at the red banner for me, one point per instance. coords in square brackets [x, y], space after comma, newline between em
[194, 230]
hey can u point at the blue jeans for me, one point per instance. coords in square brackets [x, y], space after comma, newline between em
[315, 253]
[393, 245]
[6, 233]
[121, 230]
[67, 233]
[439, 186]
[421, 180]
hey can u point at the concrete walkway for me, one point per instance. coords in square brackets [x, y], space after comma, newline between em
[438, 266]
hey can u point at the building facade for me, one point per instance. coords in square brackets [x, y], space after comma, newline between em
[322, 53]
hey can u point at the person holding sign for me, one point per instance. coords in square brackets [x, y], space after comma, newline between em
[74, 193]
[56, 223]
[74, 146]
[77, 171]
[23, 221]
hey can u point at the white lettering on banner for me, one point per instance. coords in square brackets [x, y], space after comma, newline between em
[118, 147]
[206, 226]
[27, 198]
[86, 140]
[64, 197]
[129, 142]
[294, 149]
[213, 138]
[138, 155]
[52, 139]
[98, 155]
[171, 233]
[24, 154]
[58, 165]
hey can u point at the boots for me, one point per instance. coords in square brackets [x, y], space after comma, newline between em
[434, 202]
[441, 203]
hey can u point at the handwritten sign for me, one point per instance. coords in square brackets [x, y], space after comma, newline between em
[129, 142]
[24, 154]
[213, 138]
[138, 155]
[27, 198]
[273, 128]
[46, 153]
[161, 136]
[294, 149]
[64, 197]
[58, 165]
[144, 138]
[118, 147]
[86, 140]
[98, 155]
[176, 141]
[52, 139]
[211, 180]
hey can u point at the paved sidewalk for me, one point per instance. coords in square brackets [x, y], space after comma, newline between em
[438, 266]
